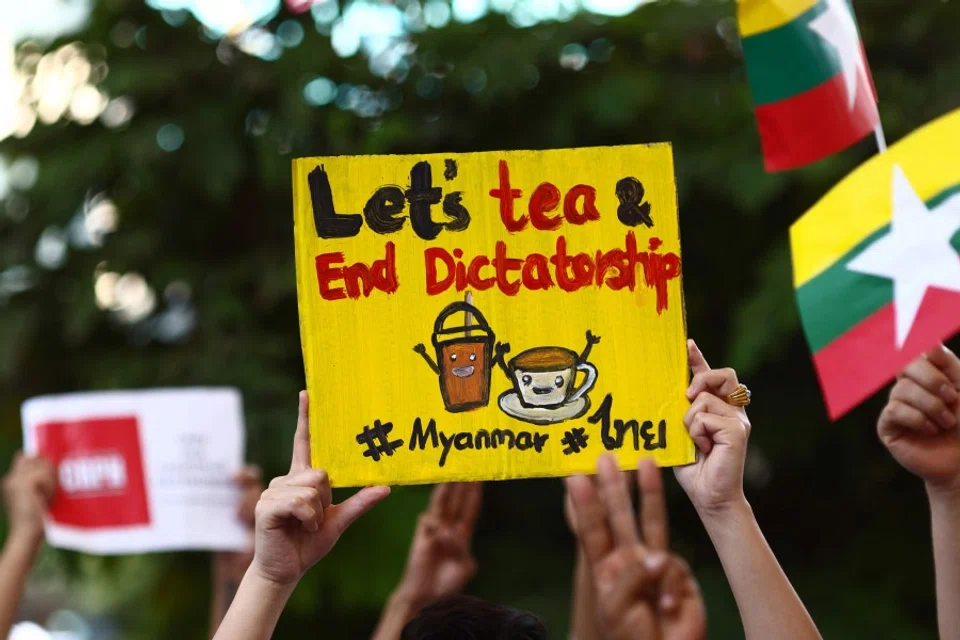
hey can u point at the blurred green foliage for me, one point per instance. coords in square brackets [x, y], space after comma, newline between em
[850, 528]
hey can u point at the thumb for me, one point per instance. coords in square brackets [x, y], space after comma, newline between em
[349, 511]
[698, 364]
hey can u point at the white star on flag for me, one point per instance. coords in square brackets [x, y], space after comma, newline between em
[838, 28]
[916, 254]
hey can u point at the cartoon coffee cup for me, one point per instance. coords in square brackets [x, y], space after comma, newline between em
[545, 377]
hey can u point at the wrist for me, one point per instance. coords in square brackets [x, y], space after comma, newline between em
[722, 513]
[944, 492]
[407, 599]
[268, 588]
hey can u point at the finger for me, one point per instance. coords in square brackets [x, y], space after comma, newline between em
[926, 374]
[439, 499]
[706, 402]
[301, 439]
[454, 503]
[593, 532]
[275, 507]
[677, 581]
[910, 393]
[947, 362]
[720, 382]
[314, 478]
[898, 415]
[613, 489]
[472, 502]
[637, 581]
[714, 429]
[698, 364]
[653, 507]
[347, 512]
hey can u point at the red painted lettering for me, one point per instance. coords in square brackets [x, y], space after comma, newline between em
[506, 195]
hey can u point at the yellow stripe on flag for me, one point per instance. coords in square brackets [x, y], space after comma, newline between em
[861, 203]
[757, 16]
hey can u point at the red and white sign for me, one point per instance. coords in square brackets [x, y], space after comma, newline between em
[141, 470]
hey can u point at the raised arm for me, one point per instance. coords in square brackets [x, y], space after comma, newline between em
[440, 562]
[919, 426]
[230, 566]
[422, 350]
[769, 606]
[591, 340]
[27, 490]
[296, 525]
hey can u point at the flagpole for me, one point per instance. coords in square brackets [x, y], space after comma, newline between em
[881, 138]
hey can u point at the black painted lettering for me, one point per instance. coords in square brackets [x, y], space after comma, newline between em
[447, 442]
[325, 218]
[632, 210]
[422, 195]
[539, 440]
[460, 217]
[463, 440]
[382, 208]
[418, 438]
[524, 440]
[499, 436]
[483, 439]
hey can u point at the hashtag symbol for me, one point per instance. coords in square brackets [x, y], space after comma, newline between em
[377, 441]
[574, 441]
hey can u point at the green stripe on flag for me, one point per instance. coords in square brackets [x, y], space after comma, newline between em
[838, 299]
[789, 60]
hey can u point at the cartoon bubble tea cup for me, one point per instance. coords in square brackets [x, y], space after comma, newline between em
[464, 358]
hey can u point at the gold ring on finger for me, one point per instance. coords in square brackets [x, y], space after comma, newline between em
[740, 397]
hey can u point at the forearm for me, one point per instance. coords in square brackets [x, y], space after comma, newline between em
[16, 560]
[769, 606]
[225, 587]
[945, 525]
[255, 609]
[583, 620]
[398, 611]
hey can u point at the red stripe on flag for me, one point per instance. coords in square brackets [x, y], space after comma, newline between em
[815, 124]
[865, 358]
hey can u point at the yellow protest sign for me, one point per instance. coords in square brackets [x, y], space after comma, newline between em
[490, 315]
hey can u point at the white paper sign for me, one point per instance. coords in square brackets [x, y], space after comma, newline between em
[141, 470]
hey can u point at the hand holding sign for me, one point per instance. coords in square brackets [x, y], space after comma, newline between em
[720, 432]
[919, 424]
[27, 491]
[297, 522]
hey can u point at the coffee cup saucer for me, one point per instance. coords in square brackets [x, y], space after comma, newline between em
[510, 404]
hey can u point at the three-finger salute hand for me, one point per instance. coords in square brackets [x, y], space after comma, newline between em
[296, 521]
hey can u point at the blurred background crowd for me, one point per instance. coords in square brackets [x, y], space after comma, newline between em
[146, 240]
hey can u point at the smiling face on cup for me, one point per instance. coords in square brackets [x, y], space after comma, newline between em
[544, 376]
[461, 360]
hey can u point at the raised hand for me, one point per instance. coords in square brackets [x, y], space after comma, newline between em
[296, 522]
[440, 562]
[919, 425]
[28, 489]
[719, 431]
[642, 591]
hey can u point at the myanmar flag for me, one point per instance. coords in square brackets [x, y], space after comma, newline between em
[812, 90]
[876, 264]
